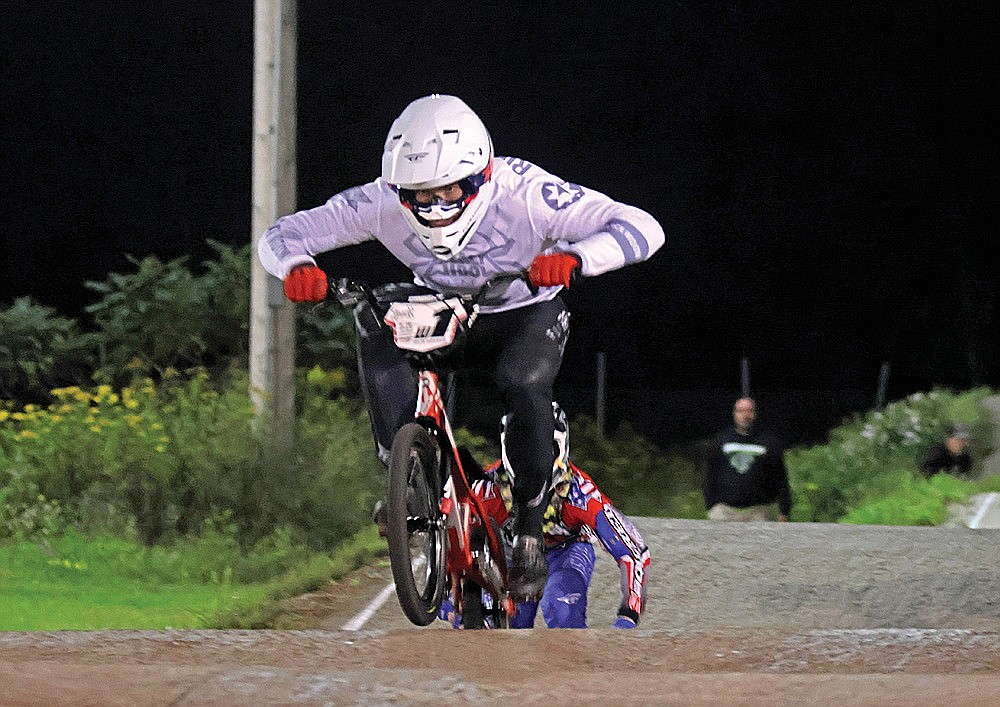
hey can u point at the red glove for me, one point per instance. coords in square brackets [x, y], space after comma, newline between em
[554, 269]
[306, 283]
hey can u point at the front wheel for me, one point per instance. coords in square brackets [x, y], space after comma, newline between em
[415, 531]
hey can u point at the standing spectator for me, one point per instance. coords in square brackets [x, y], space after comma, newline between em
[746, 477]
[950, 456]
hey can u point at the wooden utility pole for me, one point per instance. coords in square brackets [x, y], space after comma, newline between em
[272, 317]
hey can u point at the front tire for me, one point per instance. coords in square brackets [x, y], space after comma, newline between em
[414, 533]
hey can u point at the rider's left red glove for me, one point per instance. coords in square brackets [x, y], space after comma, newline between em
[554, 269]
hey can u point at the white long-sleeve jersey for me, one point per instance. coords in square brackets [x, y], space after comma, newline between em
[532, 212]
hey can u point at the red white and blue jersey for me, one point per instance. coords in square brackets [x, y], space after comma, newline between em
[585, 515]
[531, 212]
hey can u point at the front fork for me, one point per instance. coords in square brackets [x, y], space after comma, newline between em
[457, 514]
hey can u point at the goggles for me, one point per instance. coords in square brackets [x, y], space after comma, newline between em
[439, 209]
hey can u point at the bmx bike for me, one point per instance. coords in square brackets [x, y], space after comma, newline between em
[441, 541]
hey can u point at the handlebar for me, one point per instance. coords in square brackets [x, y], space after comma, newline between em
[350, 292]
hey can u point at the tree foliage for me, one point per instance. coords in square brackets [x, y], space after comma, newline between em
[165, 316]
[159, 317]
[40, 350]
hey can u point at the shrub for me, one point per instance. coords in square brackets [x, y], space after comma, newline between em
[634, 474]
[912, 501]
[161, 461]
[163, 316]
[40, 350]
[334, 477]
[325, 337]
[874, 454]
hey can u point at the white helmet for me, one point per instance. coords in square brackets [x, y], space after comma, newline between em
[438, 140]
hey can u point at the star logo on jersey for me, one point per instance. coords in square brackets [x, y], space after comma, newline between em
[559, 196]
[354, 196]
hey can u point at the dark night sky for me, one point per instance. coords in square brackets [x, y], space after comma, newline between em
[826, 175]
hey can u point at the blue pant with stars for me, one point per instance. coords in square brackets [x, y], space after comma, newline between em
[564, 601]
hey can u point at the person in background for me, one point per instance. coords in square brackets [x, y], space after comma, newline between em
[458, 216]
[950, 456]
[746, 478]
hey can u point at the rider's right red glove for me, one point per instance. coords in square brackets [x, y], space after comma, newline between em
[554, 269]
[306, 283]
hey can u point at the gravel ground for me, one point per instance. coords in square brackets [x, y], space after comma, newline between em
[754, 614]
[740, 614]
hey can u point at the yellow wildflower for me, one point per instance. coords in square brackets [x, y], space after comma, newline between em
[128, 399]
[25, 434]
[95, 428]
[4, 415]
[160, 448]
[133, 420]
[156, 426]
[30, 408]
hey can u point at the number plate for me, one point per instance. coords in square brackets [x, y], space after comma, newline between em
[425, 325]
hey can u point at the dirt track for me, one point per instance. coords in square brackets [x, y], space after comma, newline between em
[738, 614]
[555, 667]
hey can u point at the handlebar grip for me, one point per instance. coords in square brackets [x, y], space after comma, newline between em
[532, 287]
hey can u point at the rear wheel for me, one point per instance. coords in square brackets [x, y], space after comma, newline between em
[414, 531]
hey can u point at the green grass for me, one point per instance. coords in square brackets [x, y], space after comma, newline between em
[77, 583]
[73, 583]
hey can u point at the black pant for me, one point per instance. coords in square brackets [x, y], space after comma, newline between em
[521, 348]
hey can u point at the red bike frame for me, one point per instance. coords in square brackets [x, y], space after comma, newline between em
[462, 510]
